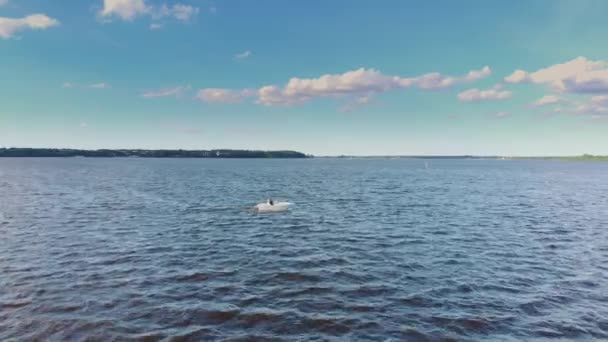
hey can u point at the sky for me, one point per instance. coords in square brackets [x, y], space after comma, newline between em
[353, 77]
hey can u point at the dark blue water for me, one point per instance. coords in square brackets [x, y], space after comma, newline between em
[382, 250]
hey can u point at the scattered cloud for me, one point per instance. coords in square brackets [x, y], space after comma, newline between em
[219, 95]
[589, 106]
[356, 103]
[174, 91]
[243, 55]
[83, 125]
[3, 2]
[600, 100]
[356, 83]
[546, 100]
[360, 81]
[501, 115]
[596, 106]
[579, 75]
[493, 94]
[363, 100]
[10, 26]
[124, 9]
[591, 109]
[101, 85]
[155, 26]
[213, 10]
[130, 9]
[178, 11]
[517, 76]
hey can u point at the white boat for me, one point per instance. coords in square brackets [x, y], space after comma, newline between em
[275, 207]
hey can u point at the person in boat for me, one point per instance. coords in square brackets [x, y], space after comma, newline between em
[270, 201]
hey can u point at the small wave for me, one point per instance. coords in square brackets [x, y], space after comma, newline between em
[15, 305]
[500, 288]
[415, 335]
[329, 325]
[558, 329]
[255, 318]
[332, 261]
[418, 301]
[215, 314]
[253, 338]
[221, 316]
[295, 277]
[363, 308]
[309, 291]
[461, 324]
[534, 308]
[192, 277]
[369, 291]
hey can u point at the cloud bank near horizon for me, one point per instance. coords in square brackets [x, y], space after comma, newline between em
[356, 83]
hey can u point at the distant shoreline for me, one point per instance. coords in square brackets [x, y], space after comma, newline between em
[253, 154]
[141, 153]
[585, 157]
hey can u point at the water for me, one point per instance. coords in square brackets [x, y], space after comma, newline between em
[383, 250]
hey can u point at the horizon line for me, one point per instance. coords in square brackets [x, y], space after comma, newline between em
[478, 156]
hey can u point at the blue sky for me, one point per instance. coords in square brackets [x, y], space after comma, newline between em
[323, 77]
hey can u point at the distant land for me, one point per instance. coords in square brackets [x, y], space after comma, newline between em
[227, 153]
[584, 157]
[125, 153]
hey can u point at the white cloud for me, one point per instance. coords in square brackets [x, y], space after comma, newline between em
[155, 26]
[3, 2]
[130, 9]
[101, 85]
[219, 95]
[10, 26]
[356, 103]
[547, 100]
[174, 91]
[67, 85]
[360, 82]
[84, 125]
[517, 76]
[591, 109]
[125, 9]
[477, 95]
[600, 100]
[243, 55]
[579, 75]
[591, 106]
[273, 95]
[596, 105]
[436, 80]
[363, 100]
[502, 115]
[178, 11]
[357, 82]
[475, 75]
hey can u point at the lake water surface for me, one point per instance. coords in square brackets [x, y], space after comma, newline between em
[379, 250]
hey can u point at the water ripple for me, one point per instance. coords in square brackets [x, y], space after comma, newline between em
[378, 250]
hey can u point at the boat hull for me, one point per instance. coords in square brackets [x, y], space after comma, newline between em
[276, 207]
